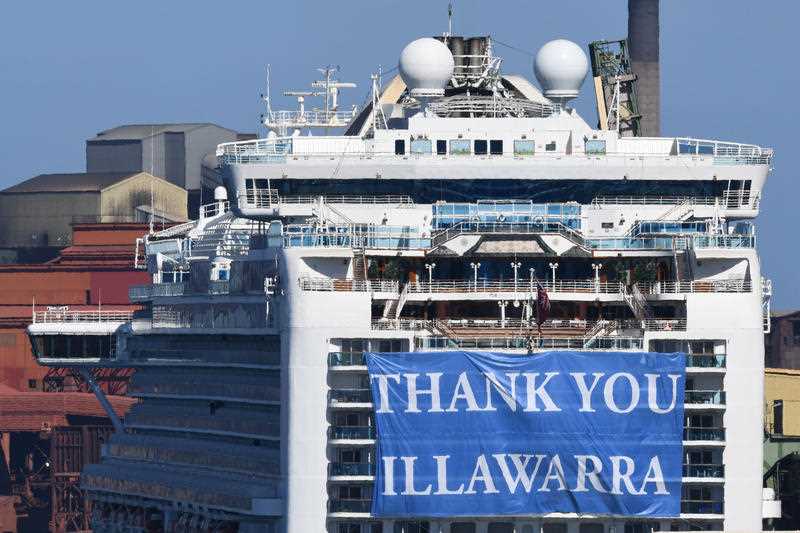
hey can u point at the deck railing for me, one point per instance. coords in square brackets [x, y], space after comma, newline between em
[704, 470]
[351, 469]
[54, 316]
[336, 359]
[261, 151]
[350, 506]
[702, 506]
[524, 343]
[705, 397]
[351, 432]
[347, 285]
[704, 434]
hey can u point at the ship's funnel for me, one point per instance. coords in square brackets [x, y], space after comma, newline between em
[643, 40]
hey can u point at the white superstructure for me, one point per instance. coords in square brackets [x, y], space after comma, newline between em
[425, 227]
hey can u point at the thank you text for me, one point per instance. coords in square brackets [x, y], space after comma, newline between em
[478, 434]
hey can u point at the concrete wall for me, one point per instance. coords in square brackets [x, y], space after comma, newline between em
[118, 203]
[200, 142]
[782, 346]
[113, 156]
[783, 385]
[43, 219]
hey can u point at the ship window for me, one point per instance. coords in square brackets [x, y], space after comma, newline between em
[596, 147]
[421, 146]
[554, 528]
[496, 147]
[462, 527]
[591, 528]
[32, 384]
[441, 147]
[481, 147]
[525, 147]
[607, 225]
[399, 147]
[501, 527]
[550, 147]
[460, 147]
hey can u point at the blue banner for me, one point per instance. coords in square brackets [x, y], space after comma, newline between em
[479, 434]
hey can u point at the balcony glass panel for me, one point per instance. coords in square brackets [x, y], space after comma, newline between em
[705, 397]
[709, 434]
[346, 359]
[352, 432]
[706, 470]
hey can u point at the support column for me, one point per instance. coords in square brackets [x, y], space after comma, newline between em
[101, 397]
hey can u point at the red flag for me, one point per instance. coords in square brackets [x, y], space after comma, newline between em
[542, 306]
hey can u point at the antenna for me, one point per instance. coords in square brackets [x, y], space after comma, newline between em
[450, 19]
[152, 207]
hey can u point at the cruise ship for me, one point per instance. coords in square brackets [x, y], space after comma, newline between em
[434, 222]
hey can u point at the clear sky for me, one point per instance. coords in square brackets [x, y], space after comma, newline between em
[71, 69]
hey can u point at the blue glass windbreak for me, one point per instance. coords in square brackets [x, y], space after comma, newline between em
[488, 434]
[450, 214]
[669, 227]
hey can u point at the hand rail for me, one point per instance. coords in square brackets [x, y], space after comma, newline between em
[347, 285]
[50, 317]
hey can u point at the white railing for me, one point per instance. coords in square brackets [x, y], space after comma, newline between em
[144, 292]
[522, 285]
[262, 198]
[728, 200]
[214, 209]
[673, 287]
[347, 285]
[534, 343]
[577, 326]
[668, 324]
[725, 152]
[58, 315]
[276, 150]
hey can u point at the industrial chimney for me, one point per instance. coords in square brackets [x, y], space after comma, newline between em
[643, 40]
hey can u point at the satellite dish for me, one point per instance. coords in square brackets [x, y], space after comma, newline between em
[561, 66]
[426, 66]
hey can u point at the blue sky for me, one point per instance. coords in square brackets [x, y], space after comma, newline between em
[71, 69]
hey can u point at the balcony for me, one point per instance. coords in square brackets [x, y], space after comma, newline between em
[270, 199]
[705, 361]
[351, 470]
[583, 286]
[524, 343]
[166, 290]
[350, 398]
[704, 398]
[704, 471]
[346, 359]
[146, 292]
[63, 314]
[352, 433]
[702, 507]
[350, 506]
[347, 285]
[704, 434]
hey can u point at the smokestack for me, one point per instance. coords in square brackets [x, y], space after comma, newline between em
[643, 41]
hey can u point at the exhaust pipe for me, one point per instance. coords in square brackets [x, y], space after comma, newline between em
[643, 42]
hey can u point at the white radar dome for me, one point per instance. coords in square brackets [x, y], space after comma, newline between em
[561, 66]
[220, 193]
[426, 65]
